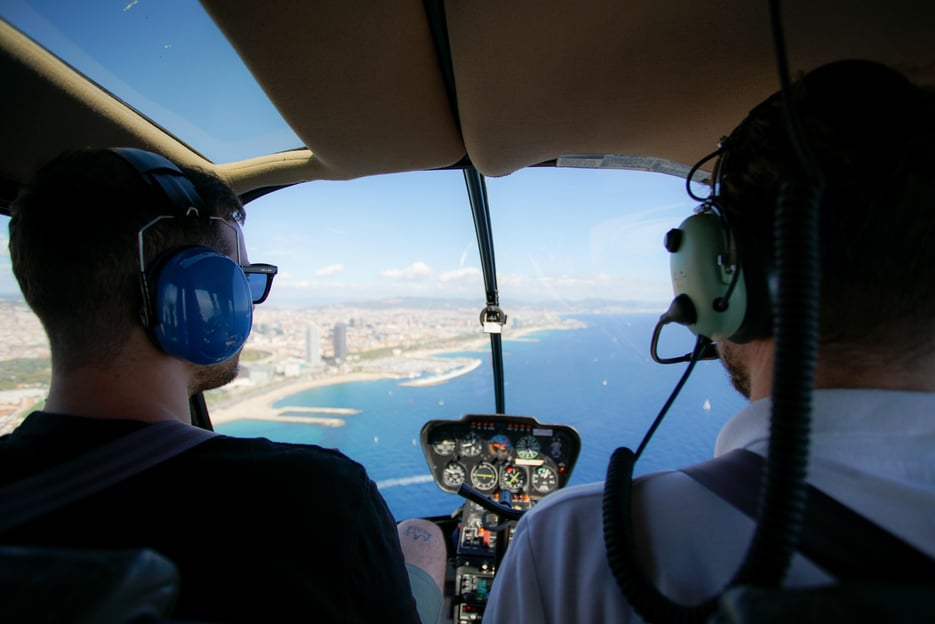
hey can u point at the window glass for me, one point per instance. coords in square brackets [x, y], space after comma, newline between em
[169, 61]
[25, 367]
[372, 325]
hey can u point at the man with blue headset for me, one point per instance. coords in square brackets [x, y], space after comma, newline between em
[139, 274]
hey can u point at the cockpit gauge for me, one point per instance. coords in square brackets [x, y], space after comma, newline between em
[484, 476]
[557, 446]
[498, 453]
[499, 446]
[528, 447]
[444, 446]
[471, 444]
[453, 475]
[544, 479]
[513, 478]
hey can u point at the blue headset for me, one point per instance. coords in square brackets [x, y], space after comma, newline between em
[197, 303]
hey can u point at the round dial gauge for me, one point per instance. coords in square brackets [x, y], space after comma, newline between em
[471, 445]
[513, 479]
[453, 474]
[444, 446]
[528, 447]
[484, 476]
[499, 446]
[544, 479]
[557, 446]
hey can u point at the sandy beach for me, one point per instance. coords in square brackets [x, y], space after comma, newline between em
[258, 403]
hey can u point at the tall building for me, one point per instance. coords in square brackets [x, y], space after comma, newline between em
[340, 342]
[313, 344]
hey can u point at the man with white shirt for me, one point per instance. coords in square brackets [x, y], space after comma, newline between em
[873, 135]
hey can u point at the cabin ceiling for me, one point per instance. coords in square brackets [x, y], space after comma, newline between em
[370, 88]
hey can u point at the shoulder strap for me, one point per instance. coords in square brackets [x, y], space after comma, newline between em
[95, 470]
[839, 540]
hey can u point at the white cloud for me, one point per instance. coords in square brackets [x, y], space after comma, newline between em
[331, 269]
[470, 274]
[414, 272]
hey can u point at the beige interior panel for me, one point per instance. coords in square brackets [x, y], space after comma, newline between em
[358, 82]
[361, 85]
[540, 78]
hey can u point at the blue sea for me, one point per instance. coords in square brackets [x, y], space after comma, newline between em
[600, 380]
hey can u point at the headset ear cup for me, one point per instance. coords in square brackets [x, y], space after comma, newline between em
[202, 309]
[700, 271]
[758, 281]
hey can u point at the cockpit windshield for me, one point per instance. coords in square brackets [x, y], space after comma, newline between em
[372, 328]
[372, 325]
[167, 60]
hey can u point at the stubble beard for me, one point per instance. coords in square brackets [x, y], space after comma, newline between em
[733, 364]
[215, 375]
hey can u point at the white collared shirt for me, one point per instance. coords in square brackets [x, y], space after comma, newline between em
[873, 450]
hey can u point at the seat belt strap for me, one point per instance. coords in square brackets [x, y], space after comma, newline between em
[95, 470]
[837, 539]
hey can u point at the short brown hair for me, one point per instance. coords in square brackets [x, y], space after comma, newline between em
[873, 135]
[73, 245]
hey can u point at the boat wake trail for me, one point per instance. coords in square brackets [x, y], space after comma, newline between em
[401, 481]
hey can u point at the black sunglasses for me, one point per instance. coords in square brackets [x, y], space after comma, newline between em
[260, 277]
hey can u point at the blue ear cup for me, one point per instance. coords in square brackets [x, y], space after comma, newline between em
[702, 271]
[202, 309]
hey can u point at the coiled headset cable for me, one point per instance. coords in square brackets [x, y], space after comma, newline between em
[782, 501]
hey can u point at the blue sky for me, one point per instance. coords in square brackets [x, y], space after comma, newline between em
[560, 234]
[161, 57]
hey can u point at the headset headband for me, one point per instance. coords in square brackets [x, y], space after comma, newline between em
[161, 173]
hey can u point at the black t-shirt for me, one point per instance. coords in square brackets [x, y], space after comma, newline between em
[259, 530]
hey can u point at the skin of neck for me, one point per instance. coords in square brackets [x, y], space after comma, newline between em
[872, 370]
[140, 383]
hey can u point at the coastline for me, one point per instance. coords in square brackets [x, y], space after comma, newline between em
[440, 379]
[258, 403]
